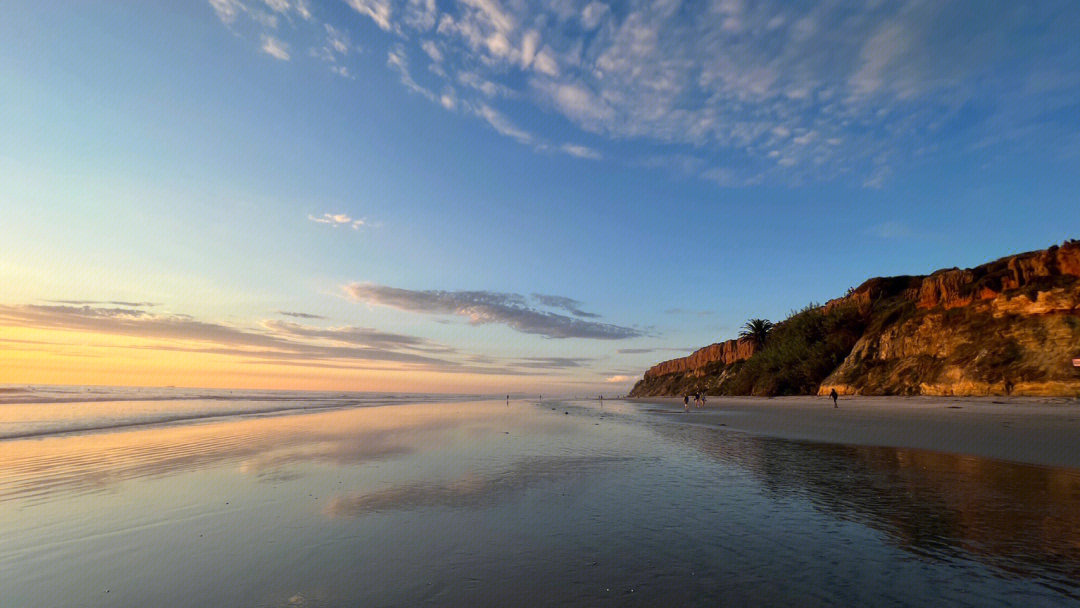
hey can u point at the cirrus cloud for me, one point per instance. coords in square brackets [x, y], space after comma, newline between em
[338, 219]
[748, 91]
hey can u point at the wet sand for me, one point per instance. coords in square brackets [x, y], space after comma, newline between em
[1029, 430]
[483, 503]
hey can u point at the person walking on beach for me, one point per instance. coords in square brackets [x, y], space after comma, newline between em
[686, 403]
[834, 396]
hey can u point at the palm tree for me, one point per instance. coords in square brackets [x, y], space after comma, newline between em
[757, 331]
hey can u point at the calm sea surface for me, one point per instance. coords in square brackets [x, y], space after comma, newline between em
[202, 498]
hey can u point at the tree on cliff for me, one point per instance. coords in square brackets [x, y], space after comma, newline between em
[757, 331]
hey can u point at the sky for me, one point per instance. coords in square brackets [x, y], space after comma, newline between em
[488, 196]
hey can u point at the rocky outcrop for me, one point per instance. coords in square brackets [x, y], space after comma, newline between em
[722, 352]
[1008, 326]
[1010, 344]
[955, 288]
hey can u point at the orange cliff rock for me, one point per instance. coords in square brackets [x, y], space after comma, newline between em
[1008, 326]
[727, 352]
[955, 288]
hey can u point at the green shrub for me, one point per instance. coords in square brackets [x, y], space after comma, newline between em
[802, 350]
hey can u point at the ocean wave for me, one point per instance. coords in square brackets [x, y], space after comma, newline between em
[29, 412]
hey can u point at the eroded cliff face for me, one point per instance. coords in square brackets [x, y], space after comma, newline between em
[1009, 326]
[722, 352]
[1010, 344]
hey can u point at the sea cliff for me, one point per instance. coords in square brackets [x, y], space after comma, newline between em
[1011, 326]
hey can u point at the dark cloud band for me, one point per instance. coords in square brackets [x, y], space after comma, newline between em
[485, 307]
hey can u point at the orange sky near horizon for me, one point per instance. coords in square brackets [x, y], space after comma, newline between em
[48, 356]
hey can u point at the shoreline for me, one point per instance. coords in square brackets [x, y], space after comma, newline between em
[1033, 430]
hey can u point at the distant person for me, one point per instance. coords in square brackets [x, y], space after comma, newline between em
[833, 394]
[686, 403]
[703, 401]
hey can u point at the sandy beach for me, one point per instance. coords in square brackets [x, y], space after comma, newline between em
[1029, 430]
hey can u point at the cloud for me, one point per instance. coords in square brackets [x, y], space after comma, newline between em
[398, 61]
[275, 48]
[485, 307]
[432, 50]
[877, 177]
[378, 10]
[299, 315]
[570, 305]
[552, 362]
[361, 336]
[779, 91]
[593, 14]
[338, 219]
[98, 302]
[277, 341]
[581, 151]
[618, 379]
[503, 126]
[227, 10]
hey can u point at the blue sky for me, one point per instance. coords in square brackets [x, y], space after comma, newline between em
[656, 172]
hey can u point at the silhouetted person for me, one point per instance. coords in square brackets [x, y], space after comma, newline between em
[686, 403]
[834, 396]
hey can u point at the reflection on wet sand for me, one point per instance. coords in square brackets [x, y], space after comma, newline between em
[263, 446]
[471, 490]
[592, 505]
[1018, 518]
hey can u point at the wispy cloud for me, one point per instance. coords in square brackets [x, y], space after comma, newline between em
[503, 126]
[570, 305]
[486, 307]
[778, 90]
[640, 351]
[338, 219]
[277, 341]
[618, 379]
[227, 10]
[581, 151]
[552, 362]
[299, 315]
[275, 48]
[99, 302]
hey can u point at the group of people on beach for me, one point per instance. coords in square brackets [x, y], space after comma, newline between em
[699, 401]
